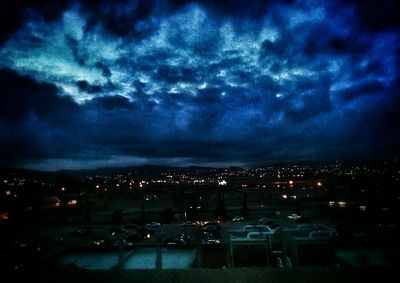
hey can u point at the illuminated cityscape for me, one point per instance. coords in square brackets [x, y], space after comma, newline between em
[338, 209]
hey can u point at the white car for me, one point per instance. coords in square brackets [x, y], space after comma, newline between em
[189, 224]
[237, 218]
[294, 216]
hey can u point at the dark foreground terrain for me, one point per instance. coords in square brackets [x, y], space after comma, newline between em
[237, 275]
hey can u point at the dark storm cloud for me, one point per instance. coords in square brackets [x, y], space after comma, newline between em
[109, 102]
[28, 110]
[105, 70]
[127, 17]
[377, 15]
[368, 88]
[93, 83]
[13, 14]
[22, 96]
[74, 46]
[85, 86]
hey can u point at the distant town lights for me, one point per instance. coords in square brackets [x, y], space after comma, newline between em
[72, 202]
[222, 183]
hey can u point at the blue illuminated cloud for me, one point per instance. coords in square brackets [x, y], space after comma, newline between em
[199, 83]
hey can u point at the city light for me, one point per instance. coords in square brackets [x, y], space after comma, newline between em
[72, 202]
[3, 215]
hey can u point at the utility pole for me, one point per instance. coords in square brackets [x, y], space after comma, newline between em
[120, 252]
[159, 251]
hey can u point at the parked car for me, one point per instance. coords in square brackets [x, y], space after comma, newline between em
[153, 225]
[179, 241]
[118, 232]
[265, 221]
[210, 228]
[22, 256]
[139, 235]
[211, 241]
[100, 242]
[294, 216]
[131, 227]
[145, 233]
[81, 232]
[189, 224]
[55, 241]
[216, 224]
[211, 238]
[237, 218]
[123, 242]
[257, 228]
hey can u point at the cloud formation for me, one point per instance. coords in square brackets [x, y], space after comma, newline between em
[182, 82]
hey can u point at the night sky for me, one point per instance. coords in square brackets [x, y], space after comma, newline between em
[216, 83]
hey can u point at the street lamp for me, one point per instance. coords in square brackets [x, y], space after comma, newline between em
[185, 224]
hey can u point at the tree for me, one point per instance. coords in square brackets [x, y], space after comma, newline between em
[142, 215]
[168, 215]
[244, 212]
[88, 210]
[117, 216]
[298, 210]
[220, 209]
[192, 213]
[88, 215]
